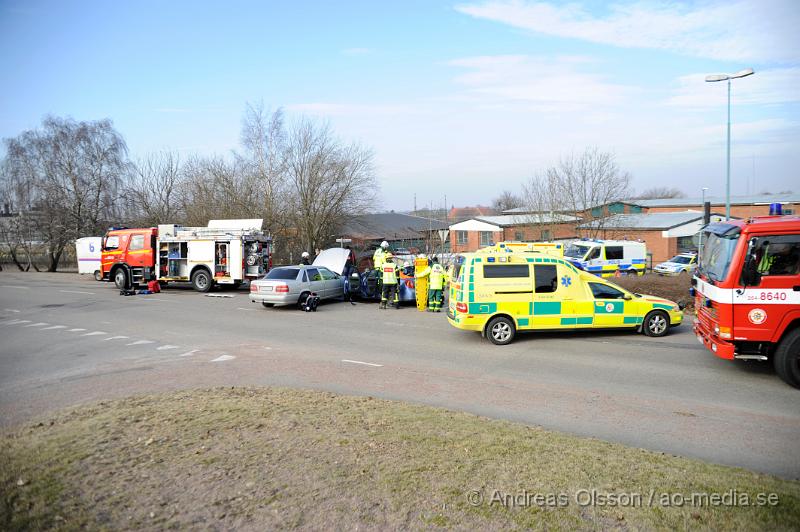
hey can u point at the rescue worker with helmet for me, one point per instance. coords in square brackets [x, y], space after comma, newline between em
[379, 255]
[436, 282]
[389, 279]
[304, 259]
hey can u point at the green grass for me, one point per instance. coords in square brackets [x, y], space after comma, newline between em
[229, 458]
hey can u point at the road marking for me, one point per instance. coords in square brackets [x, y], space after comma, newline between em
[189, 353]
[364, 363]
[15, 286]
[76, 330]
[54, 327]
[219, 295]
[165, 347]
[39, 324]
[223, 358]
[242, 308]
[95, 333]
[116, 338]
[151, 299]
[141, 342]
[17, 322]
[76, 292]
[11, 310]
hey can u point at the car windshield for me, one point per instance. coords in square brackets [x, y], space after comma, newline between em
[717, 254]
[576, 251]
[681, 259]
[284, 274]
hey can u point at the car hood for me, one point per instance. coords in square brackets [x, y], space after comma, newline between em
[670, 265]
[333, 258]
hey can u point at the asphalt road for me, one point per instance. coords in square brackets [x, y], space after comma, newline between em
[66, 339]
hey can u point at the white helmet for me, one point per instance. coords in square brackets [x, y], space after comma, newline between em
[406, 264]
[421, 256]
[305, 255]
[384, 244]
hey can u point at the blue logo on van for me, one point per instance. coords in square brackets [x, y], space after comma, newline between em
[566, 281]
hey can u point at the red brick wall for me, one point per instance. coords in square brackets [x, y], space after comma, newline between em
[737, 211]
[532, 233]
[473, 241]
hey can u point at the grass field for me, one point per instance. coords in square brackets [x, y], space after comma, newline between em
[257, 458]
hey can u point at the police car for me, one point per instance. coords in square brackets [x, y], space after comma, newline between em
[498, 294]
[683, 263]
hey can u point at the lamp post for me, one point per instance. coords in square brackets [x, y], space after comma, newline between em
[728, 77]
[700, 240]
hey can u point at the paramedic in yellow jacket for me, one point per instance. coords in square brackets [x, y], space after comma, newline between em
[436, 281]
[389, 279]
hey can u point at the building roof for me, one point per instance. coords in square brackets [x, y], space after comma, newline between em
[475, 224]
[388, 226]
[463, 213]
[753, 199]
[655, 221]
[508, 220]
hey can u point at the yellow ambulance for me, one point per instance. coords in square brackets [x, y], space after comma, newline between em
[499, 293]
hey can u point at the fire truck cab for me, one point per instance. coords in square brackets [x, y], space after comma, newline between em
[747, 290]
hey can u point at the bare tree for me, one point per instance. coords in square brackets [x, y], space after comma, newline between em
[507, 200]
[67, 176]
[661, 193]
[327, 180]
[152, 195]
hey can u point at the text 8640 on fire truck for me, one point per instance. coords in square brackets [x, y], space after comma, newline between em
[747, 289]
[227, 252]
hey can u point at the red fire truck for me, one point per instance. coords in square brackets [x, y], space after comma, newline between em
[226, 253]
[747, 290]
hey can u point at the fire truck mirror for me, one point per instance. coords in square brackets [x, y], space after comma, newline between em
[750, 274]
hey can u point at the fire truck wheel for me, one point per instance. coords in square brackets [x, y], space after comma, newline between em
[201, 281]
[121, 279]
[656, 323]
[500, 330]
[787, 359]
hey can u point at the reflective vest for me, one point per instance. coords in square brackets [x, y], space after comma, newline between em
[437, 277]
[377, 258]
[389, 273]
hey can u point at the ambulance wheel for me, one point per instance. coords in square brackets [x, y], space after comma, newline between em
[121, 279]
[201, 281]
[500, 330]
[656, 323]
[787, 359]
[98, 276]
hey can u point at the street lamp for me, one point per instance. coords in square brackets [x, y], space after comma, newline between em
[728, 77]
[700, 241]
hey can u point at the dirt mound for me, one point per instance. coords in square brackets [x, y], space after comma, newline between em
[672, 288]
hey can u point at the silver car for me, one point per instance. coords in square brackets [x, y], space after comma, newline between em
[289, 285]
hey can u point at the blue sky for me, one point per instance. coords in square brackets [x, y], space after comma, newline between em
[464, 99]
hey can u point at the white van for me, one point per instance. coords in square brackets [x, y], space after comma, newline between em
[88, 251]
[607, 257]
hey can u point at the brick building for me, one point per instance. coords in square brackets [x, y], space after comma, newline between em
[479, 232]
[741, 206]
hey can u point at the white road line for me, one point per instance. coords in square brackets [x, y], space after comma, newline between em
[54, 327]
[242, 308]
[76, 292]
[165, 347]
[141, 342]
[116, 338]
[363, 363]
[189, 353]
[17, 322]
[76, 330]
[15, 286]
[151, 299]
[95, 333]
[11, 310]
[39, 324]
[223, 358]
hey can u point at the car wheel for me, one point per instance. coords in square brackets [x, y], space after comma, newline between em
[302, 299]
[98, 276]
[121, 279]
[632, 272]
[201, 281]
[500, 330]
[656, 323]
[267, 305]
[787, 359]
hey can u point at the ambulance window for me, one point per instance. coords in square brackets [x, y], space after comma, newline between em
[594, 254]
[603, 291]
[613, 252]
[137, 242]
[505, 270]
[546, 279]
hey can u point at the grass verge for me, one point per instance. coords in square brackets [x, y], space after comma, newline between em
[255, 458]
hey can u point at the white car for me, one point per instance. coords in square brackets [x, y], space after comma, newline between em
[685, 262]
